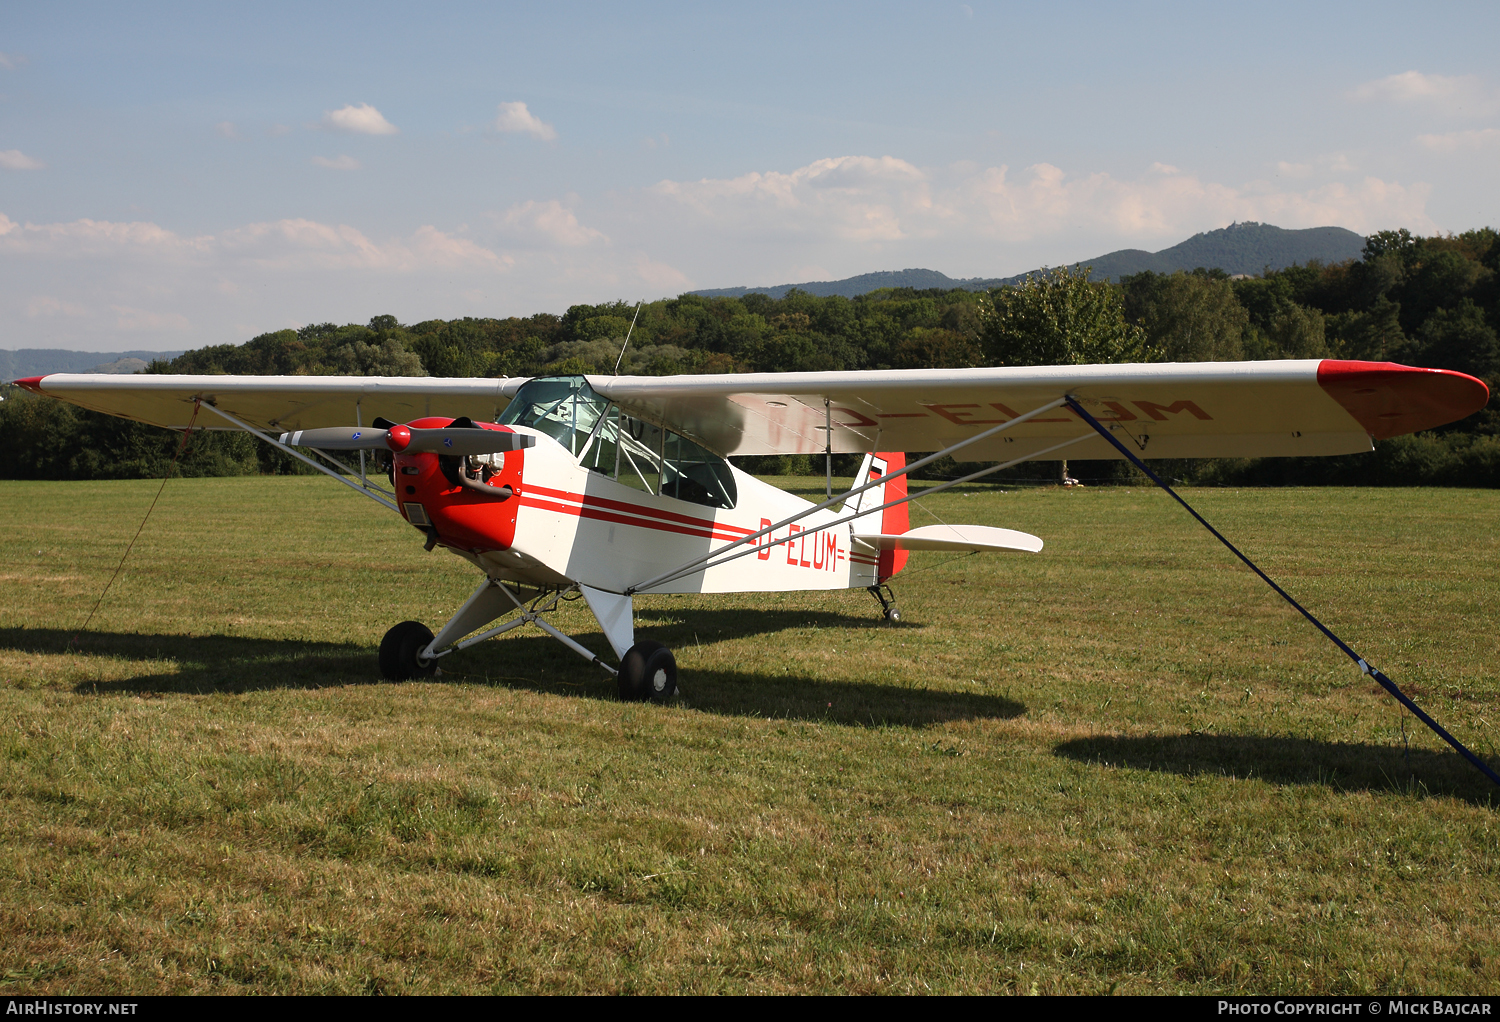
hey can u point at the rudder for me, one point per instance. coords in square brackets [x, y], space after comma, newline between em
[894, 521]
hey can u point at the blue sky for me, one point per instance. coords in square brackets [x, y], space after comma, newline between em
[176, 175]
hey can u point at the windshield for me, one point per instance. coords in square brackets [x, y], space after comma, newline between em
[631, 451]
[564, 407]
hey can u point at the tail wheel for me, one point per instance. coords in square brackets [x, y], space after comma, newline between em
[888, 608]
[400, 651]
[648, 671]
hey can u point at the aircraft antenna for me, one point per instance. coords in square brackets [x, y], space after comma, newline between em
[627, 336]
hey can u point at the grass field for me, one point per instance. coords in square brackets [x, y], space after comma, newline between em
[1119, 765]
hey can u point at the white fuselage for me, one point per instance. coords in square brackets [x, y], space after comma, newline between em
[577, 525]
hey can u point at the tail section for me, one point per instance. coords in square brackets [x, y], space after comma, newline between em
[893, 521]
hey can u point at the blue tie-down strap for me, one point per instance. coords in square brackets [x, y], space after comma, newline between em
[1359, 661]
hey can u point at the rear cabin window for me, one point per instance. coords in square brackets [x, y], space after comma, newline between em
[630, 450]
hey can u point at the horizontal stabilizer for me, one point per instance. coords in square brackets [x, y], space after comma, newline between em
[954, 537]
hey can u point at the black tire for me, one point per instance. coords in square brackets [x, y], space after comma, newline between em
[893, 615]
[399, 649]
[648, 671]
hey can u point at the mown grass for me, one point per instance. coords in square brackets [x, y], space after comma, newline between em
[1119, 765]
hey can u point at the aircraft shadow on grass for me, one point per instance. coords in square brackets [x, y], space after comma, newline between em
[1343, 766]
[238, 664]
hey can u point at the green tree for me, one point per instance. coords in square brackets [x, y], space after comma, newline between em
[388, 358]
[1293, 332]
[1058, 317]
[936, 348]
[1374, 335]
[1187, 317]
[1460, 339]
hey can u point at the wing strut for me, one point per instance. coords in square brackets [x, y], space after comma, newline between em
[745, 541]
[300, 456]
[1359, 661]
[485, 606]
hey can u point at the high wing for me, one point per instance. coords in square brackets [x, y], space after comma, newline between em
[287, 403]
[1167, 410]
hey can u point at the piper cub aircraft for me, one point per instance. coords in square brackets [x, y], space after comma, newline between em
[613, 486]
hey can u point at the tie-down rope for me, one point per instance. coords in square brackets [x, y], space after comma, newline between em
[186, 434]
[1359, 661]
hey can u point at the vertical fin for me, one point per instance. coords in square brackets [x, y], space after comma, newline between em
[894, 521]
[873, 467]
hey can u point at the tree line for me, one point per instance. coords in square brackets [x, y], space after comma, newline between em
[1424, 301]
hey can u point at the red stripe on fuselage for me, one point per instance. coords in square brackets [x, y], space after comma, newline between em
[702, 531]
[598, 509]
[637, 509]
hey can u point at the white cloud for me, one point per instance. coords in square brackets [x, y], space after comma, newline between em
[11, 61]
[298, 245]
[96, 238]
[337, 163]
[1450, 94]
[1457, 141]
[515, 117]
[877, 211]
[1330, 163]
[431, 247]
[660, 275]
[856, 198]
[99, 284]
[279, 244]
[46, 305]
[138, 320]
[227, 129]
[14, 159]
[358, 120]
[547, 224]
[91, 284]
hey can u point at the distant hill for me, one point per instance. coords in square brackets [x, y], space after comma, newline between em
[1246, 247]
[852, 286]
[1239, 248]
[41, 361]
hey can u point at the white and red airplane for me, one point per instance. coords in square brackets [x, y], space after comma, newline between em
[611, 486]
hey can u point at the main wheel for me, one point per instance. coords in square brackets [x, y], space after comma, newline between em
[648, 671]
[893, 614]
[399, 660]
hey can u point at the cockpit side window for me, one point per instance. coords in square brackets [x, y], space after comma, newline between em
[691, 473]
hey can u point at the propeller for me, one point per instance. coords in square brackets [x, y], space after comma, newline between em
[404, 439]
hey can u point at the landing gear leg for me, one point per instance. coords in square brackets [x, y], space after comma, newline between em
[888, 608]
[647, 669]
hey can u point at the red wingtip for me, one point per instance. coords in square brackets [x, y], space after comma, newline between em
[1388, 399]
[31, 383]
